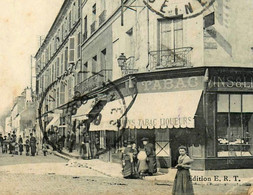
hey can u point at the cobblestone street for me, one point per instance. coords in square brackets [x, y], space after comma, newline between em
[53, 175]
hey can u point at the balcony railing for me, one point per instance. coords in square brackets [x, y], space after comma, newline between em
[93, 27]
[129, 67]
[170, 58]
[102, 17]
[97, 80]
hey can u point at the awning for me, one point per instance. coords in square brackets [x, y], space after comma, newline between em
[151, 110]
[83, 110]
[164, 110]
[55, 121]
[107, 119]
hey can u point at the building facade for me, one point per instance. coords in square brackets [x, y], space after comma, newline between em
[179, 73]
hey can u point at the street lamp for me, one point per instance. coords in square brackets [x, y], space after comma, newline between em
[122, 60]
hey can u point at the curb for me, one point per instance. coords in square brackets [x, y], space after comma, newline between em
[86, 165]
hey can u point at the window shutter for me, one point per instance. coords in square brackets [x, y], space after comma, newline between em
[71, 53]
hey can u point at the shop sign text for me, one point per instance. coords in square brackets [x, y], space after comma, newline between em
[175, 84]
[231, 82]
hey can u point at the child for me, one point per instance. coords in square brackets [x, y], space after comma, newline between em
[44, 149]
[37, 148]
[16, 148]
[182, 182]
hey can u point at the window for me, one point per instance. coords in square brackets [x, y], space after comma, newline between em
[94, 9]
[234, 124]
[170, 43]
[85, 34]
[66, 58]
[103, 59]
[78, 46]
[62, 93]
[71, 57]
[94, 64]
[70, 21]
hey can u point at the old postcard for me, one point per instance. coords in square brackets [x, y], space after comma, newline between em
[126, 97]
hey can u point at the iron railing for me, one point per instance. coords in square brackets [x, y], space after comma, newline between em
[97, 80]
[129, 66]
[169, 58]
[102, 17]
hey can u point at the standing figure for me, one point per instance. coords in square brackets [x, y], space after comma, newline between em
[127, 161]
[1, 141]
[44, 148]
[142, 163]
[151, 157]
[33, 144]
[27, 146]
[135, 160]
[72, 141]
[182, 183]
[20, 143]
[87, 145]
[5, 144]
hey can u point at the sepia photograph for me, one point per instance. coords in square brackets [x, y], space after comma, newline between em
[143, 97]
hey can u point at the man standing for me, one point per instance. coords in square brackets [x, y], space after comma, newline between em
[33, 144]
[1, 141]
[151, 158]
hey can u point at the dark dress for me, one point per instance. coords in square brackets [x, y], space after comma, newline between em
[182, 183]
[127, 158]
[33, 145]
[151, 158]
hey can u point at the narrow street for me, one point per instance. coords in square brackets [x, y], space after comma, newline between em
[54, 175]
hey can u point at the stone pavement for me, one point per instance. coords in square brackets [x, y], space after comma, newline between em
[208, 177]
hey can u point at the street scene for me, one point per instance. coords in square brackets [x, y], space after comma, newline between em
[126, 97]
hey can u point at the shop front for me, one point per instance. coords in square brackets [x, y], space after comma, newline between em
[229, 98]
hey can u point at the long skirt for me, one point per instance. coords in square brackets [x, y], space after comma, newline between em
[152, 167]
[127, 169]
[182, 183]
[142, 166]
[33, 150]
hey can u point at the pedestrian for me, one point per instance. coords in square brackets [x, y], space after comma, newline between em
[72, 141]
[37, 148]
[97, 146]
[142, 163]
[127, 161]
[5, 145]
[33, 144]
[68, 140]
[151, 157]
[87, 145]
[20, 144]
[1, 141]
[182, 183]
[82, 150]
[44, 148]
[16, 148]
[27, 146]
[135, 160]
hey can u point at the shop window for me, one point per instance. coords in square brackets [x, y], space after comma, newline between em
[234, 125]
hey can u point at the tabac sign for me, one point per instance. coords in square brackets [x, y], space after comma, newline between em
[173, 8]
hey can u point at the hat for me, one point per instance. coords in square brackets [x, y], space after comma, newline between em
[144, 139]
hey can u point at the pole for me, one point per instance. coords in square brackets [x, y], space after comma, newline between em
[122, 14]
[31, 72]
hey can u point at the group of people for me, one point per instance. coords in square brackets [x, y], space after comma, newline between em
[138, 163]
[15, 146]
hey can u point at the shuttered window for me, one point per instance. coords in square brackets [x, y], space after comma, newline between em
[71, 50]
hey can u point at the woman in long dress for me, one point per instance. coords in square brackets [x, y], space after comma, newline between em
[127, 162]
[182, 183]
[142, 163]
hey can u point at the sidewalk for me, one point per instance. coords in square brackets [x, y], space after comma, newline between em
[208, 177]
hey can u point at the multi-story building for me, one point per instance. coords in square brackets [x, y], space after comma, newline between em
[58, 55]
[179, 73]
[23, 115]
